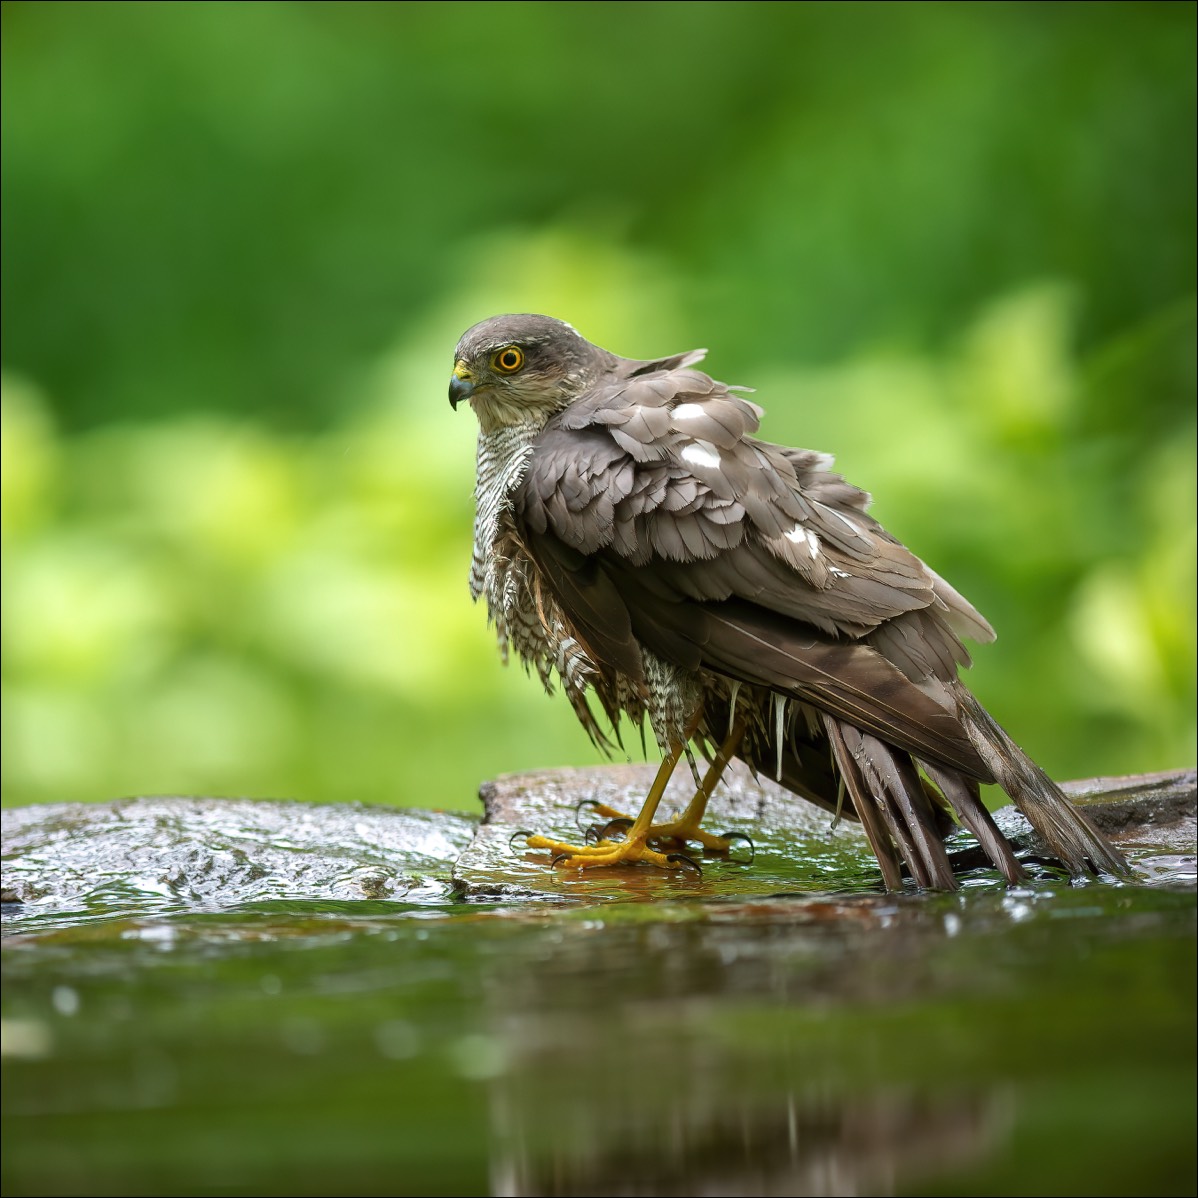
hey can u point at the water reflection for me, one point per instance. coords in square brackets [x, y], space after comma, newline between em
[864, 1044]
[859, 1046]
[800, 1143]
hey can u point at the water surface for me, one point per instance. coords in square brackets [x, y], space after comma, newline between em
[817, 1040]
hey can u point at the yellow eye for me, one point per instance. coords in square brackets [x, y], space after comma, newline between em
[509, 360]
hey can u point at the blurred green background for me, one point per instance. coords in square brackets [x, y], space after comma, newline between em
[951, 243]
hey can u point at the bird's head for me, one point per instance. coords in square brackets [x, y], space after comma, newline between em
[520, 370]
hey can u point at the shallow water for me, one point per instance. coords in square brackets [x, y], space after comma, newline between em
[163, 1041]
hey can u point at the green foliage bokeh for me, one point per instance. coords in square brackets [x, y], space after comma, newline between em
[951, 243]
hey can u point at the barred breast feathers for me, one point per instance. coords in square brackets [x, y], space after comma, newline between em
[502, 461]
[526, 617]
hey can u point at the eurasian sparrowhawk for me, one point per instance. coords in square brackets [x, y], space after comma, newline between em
[635, 540]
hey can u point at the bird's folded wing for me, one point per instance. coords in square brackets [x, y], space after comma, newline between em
[663, 468]
[658, 520]
[616, 615]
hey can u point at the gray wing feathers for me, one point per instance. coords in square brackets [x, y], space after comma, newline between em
[662, 468]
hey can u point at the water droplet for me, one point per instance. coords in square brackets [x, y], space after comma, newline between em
[65, 1000]
[478, 1057]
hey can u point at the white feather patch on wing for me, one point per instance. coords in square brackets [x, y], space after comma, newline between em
[700, 453]
[800, 535]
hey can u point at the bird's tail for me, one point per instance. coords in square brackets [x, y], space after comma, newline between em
[904, 818]
[908, 804]
[1067, 832]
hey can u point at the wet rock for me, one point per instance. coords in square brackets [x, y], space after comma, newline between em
[157, 855]
[1151, 817]
[168, 853]
[1137, 802]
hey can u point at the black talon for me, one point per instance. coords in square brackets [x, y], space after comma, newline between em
[620, 824]
[747, 839]
[592, 803]
[511, 843]
[685, 861]
[559, 857]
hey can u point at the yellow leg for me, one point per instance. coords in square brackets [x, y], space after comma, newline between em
[686, 826]
[634, 847]
[643, 832]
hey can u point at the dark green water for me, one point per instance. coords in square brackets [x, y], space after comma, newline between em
[989, 1042]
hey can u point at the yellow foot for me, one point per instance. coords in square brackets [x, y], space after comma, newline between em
[681, 831]
[608, 852]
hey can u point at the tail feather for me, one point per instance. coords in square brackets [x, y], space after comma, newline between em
[882, 779]
[1069, 835]
[962, 796]
[865, 806]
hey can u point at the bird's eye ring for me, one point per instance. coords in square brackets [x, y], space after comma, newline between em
[509, 359]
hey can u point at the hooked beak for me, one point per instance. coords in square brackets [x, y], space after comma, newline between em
[461, 385]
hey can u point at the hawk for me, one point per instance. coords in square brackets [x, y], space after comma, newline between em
[635, 540]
